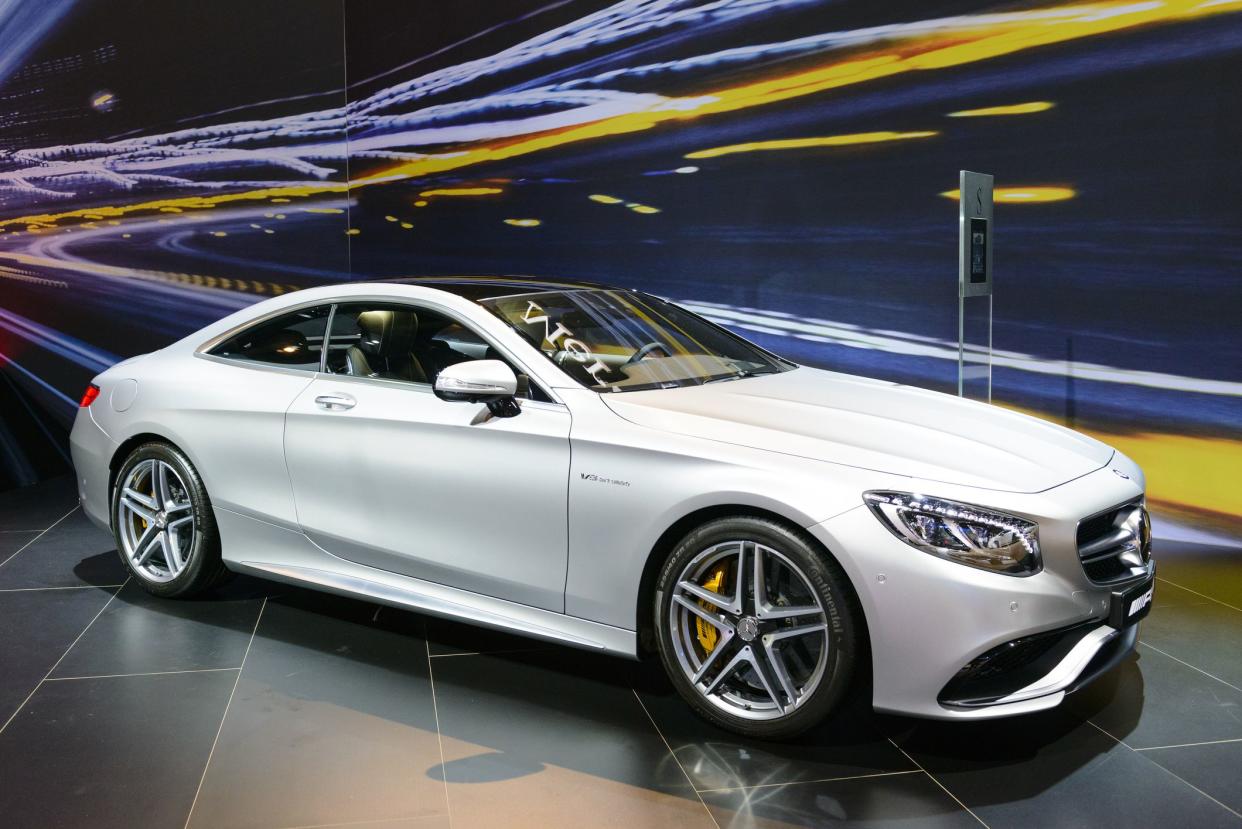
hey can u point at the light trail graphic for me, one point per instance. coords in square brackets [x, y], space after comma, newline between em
[312, 145]
[785, 162]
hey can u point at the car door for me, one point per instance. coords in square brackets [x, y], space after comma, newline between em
[388, 475]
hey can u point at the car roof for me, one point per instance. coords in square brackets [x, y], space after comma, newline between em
[488, 287]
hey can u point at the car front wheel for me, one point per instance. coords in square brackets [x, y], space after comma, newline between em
[756, 627]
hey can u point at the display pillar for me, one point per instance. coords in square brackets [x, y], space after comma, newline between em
[974, 286]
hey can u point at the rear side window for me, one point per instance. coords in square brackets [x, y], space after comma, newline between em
[293, 340]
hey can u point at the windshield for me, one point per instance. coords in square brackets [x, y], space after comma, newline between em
[626, 341]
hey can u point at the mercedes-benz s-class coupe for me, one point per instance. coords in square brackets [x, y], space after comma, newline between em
[605, 469]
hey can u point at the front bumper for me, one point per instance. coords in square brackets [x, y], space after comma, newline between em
[930, 619]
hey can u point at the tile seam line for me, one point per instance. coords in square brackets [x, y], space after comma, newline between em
[140, 673]
[40, 535]
[34, 690]
[1192, 745]
[1169, 772]
[435, 711]
[1188, 665]
[810, 782]
[942, 786]
[676, 759]
[224, 716]
[1197, 593]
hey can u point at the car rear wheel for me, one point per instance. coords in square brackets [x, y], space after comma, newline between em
[161, 517]
[756, 627]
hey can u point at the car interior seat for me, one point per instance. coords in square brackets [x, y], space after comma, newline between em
[385, 347]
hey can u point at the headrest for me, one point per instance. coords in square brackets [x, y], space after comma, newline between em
[385, 333]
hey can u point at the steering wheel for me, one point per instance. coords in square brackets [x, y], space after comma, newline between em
[643, 352]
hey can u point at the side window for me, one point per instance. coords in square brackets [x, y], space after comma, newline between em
[392, 341]
[293, 340]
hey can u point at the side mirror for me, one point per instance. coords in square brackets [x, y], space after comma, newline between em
[480, 381]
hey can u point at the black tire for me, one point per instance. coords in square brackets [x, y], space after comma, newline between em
[203, 568]
[824, 575]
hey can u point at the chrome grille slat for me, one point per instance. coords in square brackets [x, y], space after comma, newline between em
[1103, 545]
[1112, 543]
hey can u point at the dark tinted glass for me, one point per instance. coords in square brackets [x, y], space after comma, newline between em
[293, 340]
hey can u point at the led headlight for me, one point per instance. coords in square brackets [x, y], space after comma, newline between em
[960, 532]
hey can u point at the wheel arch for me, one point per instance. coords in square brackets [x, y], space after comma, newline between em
[682, 526]
[125, 448]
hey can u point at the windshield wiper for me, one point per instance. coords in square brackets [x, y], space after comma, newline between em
[739, 375]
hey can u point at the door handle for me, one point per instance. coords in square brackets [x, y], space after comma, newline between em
[335, 402]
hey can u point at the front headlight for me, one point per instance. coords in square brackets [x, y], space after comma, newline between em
[960, 532]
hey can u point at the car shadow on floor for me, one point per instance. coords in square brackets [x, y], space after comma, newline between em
[533, 705]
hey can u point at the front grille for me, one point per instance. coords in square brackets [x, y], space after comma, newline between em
[1116, 544]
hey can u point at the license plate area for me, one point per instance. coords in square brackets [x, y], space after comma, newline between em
[1130, 606]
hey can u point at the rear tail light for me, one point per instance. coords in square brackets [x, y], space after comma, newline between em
[88, 396]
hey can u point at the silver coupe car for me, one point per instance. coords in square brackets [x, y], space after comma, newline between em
[603, 468]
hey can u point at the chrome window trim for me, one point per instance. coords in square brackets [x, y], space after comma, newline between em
[204, 348]
[327, 340]
[308, 373]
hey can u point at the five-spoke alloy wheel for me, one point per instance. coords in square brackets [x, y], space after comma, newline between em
[155, 520]
[755, 626]
[165, 532]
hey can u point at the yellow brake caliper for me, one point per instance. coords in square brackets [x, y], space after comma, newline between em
[707, 632]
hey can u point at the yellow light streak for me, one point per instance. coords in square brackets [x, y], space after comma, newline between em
[1008, 109]
[1020, 195]
[186, 202]
[603, 199]
[353, 231]
[804, 143]
[973, 39]
[462, 191]
[191, 279]
[420, 203]
[322, 210]
[523, 222]
[406, 225]
[1197, 474]
[642, 208]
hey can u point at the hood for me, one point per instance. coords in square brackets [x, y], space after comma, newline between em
[872, 424]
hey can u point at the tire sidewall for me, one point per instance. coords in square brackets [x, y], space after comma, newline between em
[204, 551]
[824, 575]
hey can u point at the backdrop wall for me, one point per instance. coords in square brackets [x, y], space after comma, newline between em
[784, 166]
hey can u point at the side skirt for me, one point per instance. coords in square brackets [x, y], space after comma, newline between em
[289, 556]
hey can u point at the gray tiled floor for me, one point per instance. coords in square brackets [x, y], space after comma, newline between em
[266, 706]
